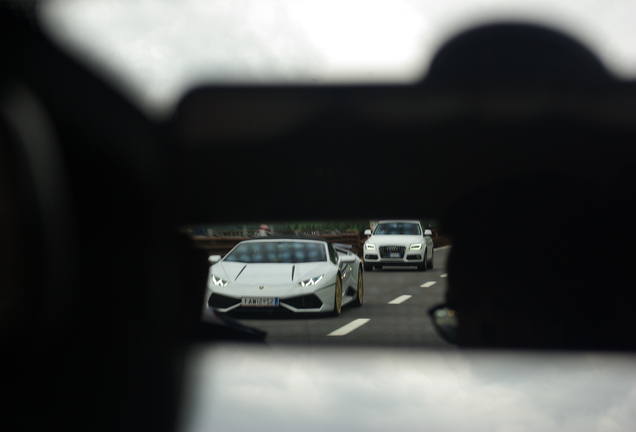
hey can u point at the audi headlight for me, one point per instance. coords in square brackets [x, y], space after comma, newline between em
[312, 281]
[217, 281]
[369, 246]
[416, 246]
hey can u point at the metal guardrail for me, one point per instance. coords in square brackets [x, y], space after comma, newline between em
[222, 242]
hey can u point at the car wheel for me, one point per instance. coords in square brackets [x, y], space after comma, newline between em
[368, 267]
[379, 267]
[424, 265]
[430, 263]
[337, 297]
[360, 294]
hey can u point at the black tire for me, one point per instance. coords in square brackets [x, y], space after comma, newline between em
[424, 265]
[431, 262]
[368, 267]
[378, 266]
[337, 298]
[360, 295]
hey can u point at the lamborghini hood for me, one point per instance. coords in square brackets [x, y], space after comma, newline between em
[270, 273]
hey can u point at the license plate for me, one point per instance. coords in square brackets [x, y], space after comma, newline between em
[259, 301]
[395, 255]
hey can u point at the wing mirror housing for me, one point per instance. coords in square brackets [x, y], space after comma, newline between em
[347, 259]
[367, 232]
[213, 259]
[428, 232]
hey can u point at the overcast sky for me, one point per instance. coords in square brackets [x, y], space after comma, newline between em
[373, 390]
[157, 49]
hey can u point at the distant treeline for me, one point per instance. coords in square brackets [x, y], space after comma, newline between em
[291, 226]
[304, 226]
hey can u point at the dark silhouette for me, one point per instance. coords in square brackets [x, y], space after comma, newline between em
[530, 267]
[96, 329]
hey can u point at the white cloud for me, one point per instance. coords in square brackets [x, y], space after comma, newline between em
[375, 390]
[158, 49]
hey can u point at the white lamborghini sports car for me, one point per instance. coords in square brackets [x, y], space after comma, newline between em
[301, 274]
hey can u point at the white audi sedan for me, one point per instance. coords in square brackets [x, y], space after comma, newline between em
[300, 274]
[398, 243]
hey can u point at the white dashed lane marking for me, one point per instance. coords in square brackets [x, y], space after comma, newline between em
[348, 328]
[444, 275]
[400, 299]
[428, 284]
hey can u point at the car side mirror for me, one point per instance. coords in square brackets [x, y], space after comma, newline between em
[428, 232]
[213, 259]
[367, 232]
[347, 259]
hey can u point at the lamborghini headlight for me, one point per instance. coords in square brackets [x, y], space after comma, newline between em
[217, 281]
[312, 281]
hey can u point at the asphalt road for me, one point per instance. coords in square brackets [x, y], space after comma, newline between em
[394, 313]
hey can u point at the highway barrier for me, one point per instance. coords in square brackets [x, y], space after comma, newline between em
[220, 243]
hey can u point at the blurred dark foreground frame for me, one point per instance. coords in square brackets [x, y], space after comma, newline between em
[104, 348]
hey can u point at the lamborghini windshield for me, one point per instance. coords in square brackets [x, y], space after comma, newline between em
[277, 252]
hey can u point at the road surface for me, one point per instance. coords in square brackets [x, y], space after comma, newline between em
[394, 313]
